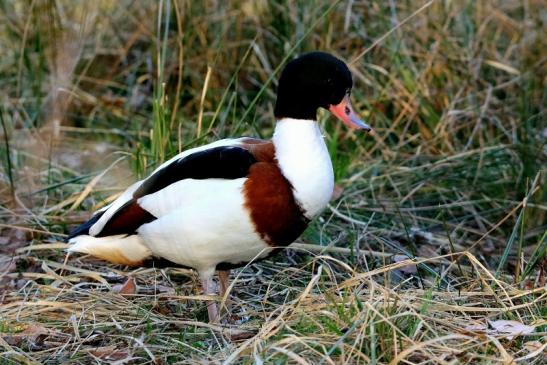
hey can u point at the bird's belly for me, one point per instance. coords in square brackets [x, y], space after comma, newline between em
[214, 229]
[204, 250]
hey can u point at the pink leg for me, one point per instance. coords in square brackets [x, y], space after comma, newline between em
[224, 279]
[208, 287]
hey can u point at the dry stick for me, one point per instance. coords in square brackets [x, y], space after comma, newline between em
[202, 100]
[215, 327]
[72, 129]
[36, 276]
[8, 154]
[539, 351]
[22, 50]
[20, 228]
[89, 187]
[322, 249]
[180, 74]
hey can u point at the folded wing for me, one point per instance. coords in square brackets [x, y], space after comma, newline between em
[227, 160]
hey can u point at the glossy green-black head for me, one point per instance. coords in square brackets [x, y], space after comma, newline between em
[316, 80]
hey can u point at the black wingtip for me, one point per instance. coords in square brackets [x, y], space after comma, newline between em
[83, 229]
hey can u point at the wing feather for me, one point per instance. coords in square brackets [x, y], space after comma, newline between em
[225, 159]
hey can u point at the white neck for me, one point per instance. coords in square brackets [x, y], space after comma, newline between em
[304, 160]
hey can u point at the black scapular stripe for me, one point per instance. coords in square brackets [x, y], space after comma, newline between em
[225, 162]
[220, 162]
[83, 229]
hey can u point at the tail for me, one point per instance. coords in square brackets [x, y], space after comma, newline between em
[119, 249]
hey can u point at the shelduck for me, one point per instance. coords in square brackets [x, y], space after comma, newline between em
[233, 201]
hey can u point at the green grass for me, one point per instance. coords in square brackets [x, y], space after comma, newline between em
[453, 176]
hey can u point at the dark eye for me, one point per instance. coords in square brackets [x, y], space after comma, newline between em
[346, 109]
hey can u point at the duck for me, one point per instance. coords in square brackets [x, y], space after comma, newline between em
[233, 201]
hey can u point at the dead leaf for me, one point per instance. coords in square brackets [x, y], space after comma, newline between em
[243, 335]
[34, 334]
[510, 329]
[425, 250]
[13, 238]
[109, 353]
[127, 288]
[502, 66]
[34, 330]
[477, 327]
[408, 269]
[502, 328]
[532, 346]
[164, 289]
